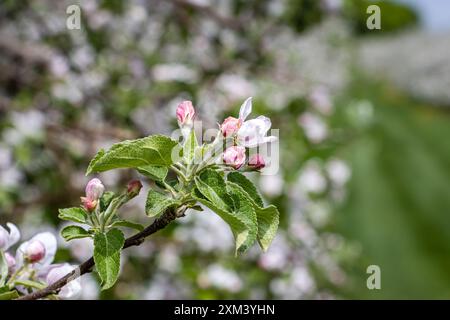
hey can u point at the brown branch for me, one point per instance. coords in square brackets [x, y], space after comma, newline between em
[87, 266]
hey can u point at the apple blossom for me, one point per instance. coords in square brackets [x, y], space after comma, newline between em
[8, 239]
[94, 190]
[185, 114]
[69, 291]
[39, 250]
[234, 156]
[230, 126]
[252, 133]
[256, 161]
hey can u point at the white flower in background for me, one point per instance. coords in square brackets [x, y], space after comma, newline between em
[235, 86]
[71, 290]
[320, 99]
[174, 72]
[8, 239]
[277, 257]
[315, 128]
[338, 171]
[271, 185]
[311, 178]
[219, 277]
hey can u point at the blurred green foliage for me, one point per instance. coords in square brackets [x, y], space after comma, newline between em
[399, 195]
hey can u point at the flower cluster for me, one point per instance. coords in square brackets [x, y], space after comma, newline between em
[32, 265]
[240, 132]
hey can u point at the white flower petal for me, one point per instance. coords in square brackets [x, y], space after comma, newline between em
[246, 109]
[14, 235]
[265, 123]
[69, 291]
[4, 238]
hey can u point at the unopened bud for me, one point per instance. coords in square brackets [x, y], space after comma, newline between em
[35, 251]
[94, 189]
[256, 162]
[185, 114]
[230, 126]
[133, 188]
[234, 156]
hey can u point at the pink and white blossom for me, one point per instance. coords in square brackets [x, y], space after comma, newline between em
[234, 156]
[230, 126]
[8, 239]
[185, 114]
[39, 250]
[71, 290]
[252, 132]
[94, 190]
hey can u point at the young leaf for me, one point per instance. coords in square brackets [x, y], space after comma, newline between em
[153, 150]
[9, 295]
[107, 247]
[3, 268]
[74, 232]
[157, 203]
[128, 224]
[231, 204]
[212, 186]
[268, 218]
[106, 199]
[156, 173]
[75, 214]
[247, 185]
[189, 147]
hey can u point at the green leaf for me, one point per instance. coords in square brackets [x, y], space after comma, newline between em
[157, 203]
[212, 186]
[75, 214]
[247, 185]
[267, 218]
[107, 247]
[153, 150]
[74, 232]
[106, 199]
[189, 147]
[10, 295]
[156, 173]
[127, 224]
[231, 204]
[3, 268]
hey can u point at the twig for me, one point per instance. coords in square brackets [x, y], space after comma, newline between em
[87, 266]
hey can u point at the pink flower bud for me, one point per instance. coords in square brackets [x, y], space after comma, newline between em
[10, 260]
[185, 114]
[230, 126]
[35, 251]
[133, 188]
[256, 162]
[94, 189]
[234, 156]
[88, 204]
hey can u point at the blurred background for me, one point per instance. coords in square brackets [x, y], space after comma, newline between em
[364, 135]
